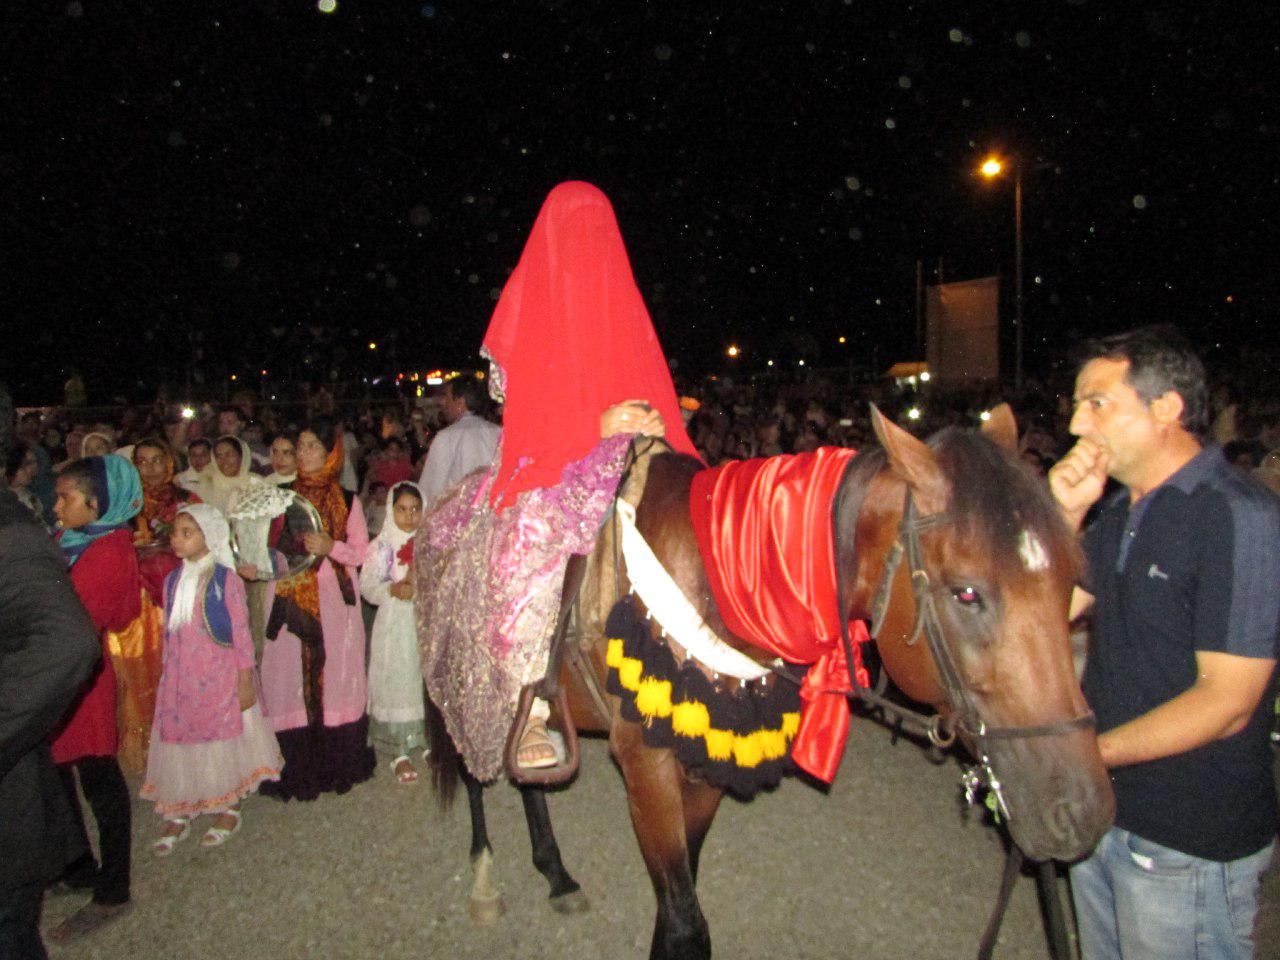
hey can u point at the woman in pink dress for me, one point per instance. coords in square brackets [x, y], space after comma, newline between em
[313, 664]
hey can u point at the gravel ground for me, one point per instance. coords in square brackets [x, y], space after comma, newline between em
[884, 866]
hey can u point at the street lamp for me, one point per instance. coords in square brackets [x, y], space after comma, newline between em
[991, 168]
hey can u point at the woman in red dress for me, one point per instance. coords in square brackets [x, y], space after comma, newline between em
[97, 498]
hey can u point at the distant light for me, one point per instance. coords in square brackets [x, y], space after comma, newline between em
[925, 377]
[984, 415]
[913, 413]
[372, 345]
[264, 373]
[1230, 298]
[188, 413]
[234, 377]
[419, 390]
[435, 381]
[802, 363]
[326, 6]
[992, 167]
[912, 380]
[769, 364]
[733, 351]
[843, 340]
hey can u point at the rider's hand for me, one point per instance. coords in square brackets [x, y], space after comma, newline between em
[1078, 479]
[402, 590]
[631, 416]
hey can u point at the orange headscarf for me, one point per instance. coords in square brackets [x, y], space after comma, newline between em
[160, 501]
[322, 489]
[573, 337]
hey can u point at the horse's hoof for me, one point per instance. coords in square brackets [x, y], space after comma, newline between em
[573, 902]
[487, 910]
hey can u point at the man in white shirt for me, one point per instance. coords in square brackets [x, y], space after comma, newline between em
[467, 444]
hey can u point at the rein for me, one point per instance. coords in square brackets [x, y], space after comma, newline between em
[940, 728]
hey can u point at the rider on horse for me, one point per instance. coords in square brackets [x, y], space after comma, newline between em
[570, 344]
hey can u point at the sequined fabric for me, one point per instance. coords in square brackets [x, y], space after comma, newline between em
[488, 593]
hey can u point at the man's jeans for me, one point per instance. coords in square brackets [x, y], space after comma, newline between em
[1137, 900]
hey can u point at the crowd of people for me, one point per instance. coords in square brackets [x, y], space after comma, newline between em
[225, 673]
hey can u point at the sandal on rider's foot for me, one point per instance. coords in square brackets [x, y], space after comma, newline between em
[536, 751]
[402, 769]
[164, 846]
[216, 836]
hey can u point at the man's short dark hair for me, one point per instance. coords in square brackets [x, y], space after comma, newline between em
[471, 390]
[200, 442]
[235, 412]
[6, 421]
[1160, 359]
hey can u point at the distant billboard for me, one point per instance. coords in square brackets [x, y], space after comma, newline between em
[963, 330]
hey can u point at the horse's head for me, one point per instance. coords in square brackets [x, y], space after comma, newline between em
[995, 570]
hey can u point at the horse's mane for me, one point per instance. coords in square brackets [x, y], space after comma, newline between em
[995, 497]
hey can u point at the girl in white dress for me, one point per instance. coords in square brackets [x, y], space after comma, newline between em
[397, 708]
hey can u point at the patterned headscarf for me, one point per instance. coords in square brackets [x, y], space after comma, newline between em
[118, 491]
[157, 498]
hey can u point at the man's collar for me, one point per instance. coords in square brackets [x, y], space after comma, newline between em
[1198, 469]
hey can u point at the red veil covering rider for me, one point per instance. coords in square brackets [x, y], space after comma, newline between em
[580, 371]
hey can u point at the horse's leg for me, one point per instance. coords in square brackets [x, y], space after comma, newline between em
[486, 904]
[566, 895]
[701, 801]
[654, 796]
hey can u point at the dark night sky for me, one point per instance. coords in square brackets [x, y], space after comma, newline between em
[291, 184]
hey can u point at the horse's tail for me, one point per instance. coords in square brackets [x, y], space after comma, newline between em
[444, 757]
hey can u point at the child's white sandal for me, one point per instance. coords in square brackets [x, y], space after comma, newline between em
[164, 846]
[217, 836]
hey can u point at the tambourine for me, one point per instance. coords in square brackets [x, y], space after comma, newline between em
[251, 518]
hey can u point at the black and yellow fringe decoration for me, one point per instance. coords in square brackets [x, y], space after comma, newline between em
[736, 739]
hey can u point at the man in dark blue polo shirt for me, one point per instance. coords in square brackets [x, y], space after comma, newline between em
[1184, 583]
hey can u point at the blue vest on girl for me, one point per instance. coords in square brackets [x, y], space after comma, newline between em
[212, 603]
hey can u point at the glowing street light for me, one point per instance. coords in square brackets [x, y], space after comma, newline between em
[991, 168]
[372, 345]
[733, 351]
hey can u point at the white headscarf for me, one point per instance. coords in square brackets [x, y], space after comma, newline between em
[223, 490]
[391, 536]
[217, 537]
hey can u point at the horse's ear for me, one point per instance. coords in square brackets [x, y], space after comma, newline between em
[913, 462]
[1001, 428]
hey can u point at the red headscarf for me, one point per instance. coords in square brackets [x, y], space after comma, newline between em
[573, 337]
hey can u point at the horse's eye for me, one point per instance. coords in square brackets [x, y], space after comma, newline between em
[967, 597]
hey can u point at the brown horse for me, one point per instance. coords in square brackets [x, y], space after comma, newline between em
[989, 573]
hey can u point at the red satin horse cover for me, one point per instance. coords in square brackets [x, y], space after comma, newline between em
[764, 529]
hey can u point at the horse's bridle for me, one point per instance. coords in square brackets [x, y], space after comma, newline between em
[964, 718]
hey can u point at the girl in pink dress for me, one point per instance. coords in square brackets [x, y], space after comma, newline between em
[210, 744]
